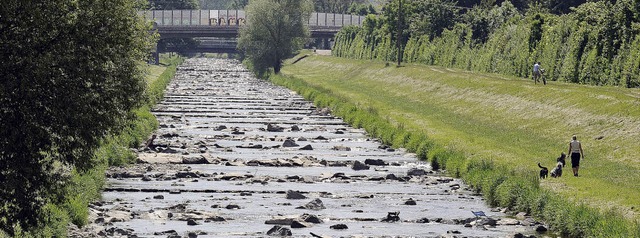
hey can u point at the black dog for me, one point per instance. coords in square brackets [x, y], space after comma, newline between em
[562, 158]
[543, 172]
[557, 171]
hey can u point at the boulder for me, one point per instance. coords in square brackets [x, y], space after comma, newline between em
[284, 221]
[195, 160]
[168, 232]
[310, 218]
[487, 221]
[295, 128]
[295, 195]
[357, 165]
[279, 231]
[316, 204]
[392, 217]
[289, 143]
[541, 229]
[250, 146]
[192, 222]
[410, 202]
[339, 227]
[187, 174]
[416, 172]
[274, 128]
[307, 147]
[508, 222]
[377, 162]
[215, 219]
[298, 224]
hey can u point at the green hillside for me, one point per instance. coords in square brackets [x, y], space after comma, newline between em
[508, 120]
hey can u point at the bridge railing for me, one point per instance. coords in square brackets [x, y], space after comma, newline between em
[237, 18]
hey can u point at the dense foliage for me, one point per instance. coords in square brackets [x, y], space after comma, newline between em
[359, 7]
[173, 4]
[596, 42]
[276, 31]
[70, 75]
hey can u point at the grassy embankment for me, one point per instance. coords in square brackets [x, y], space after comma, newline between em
[115, 150]
[492, 131]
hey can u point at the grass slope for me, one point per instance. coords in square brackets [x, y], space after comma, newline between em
[508, 120]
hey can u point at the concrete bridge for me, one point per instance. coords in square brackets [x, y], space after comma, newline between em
[226, 23]
[216, 30]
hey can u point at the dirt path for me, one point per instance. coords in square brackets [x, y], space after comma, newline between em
[236, 156]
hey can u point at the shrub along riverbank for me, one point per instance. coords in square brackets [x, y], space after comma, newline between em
[492, 130]
[86, 186]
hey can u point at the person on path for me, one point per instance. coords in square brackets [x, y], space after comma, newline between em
[536, 72]
[575, 150]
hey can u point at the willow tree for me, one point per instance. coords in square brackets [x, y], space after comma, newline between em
[69, 74]
[275, 31]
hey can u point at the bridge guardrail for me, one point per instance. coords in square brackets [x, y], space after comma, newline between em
[238, 18]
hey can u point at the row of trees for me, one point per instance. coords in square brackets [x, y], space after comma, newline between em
[595, 43]
[70, 74]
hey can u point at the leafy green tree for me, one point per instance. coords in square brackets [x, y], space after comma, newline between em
[70, 74]
[275, 31]
[335, 6]
[431, 17]
[563, 6]
[238, 4]
[361, 9]
[173, 4]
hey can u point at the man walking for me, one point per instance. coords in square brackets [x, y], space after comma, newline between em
[536, 72]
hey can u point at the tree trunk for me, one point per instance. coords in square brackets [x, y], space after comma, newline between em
[277, 66]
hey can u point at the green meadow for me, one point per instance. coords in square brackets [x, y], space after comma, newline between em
[508, 122]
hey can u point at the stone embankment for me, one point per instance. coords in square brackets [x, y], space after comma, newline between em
[239, 157]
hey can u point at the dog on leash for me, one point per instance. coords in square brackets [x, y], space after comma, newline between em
[544, 171]
[562, 158]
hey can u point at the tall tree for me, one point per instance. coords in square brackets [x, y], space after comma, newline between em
[69, 75]
[335, 6]
[275, 30]
[173, 4]
[238, 4]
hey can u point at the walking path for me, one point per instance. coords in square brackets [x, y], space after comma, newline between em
[237, 157]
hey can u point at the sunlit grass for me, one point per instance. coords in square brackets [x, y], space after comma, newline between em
[508, 120]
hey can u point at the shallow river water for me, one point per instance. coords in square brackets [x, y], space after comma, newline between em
[233, 151]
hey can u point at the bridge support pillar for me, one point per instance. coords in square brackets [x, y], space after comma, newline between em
[156, 57]
[326, 43]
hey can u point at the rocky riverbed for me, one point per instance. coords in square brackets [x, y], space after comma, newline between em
[239, 157]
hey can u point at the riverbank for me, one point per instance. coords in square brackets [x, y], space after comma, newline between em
[72, 211]
[476, 124]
